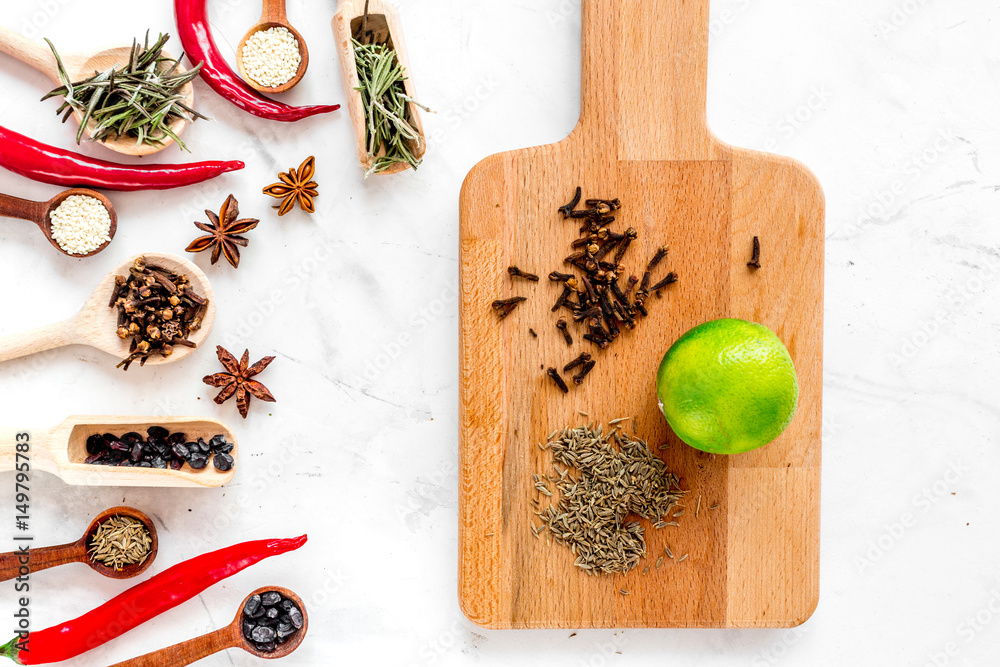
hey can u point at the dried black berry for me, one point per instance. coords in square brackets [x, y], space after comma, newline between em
[204, 446]
[95, 443]
[263, 634]
[198, 461]
[176, 464]
[223, 462]
[270, 598]
[180, 451]
[225, 447]
[252, 605]
[157, 432]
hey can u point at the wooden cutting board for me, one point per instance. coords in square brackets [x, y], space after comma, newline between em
[642, 137]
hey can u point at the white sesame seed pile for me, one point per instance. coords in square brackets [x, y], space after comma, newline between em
[271, 57]
[81, 224]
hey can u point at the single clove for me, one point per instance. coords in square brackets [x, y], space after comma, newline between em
[505, 307]
[562, 326]
[554, 374]
[568, 208]
[587, 367]
[576, 363]
[518, 273]
[754, 262]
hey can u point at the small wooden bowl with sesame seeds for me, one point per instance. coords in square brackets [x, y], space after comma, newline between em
[40, 213]
[273, 16]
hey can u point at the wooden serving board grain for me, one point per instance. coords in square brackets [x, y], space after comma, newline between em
[642, 137]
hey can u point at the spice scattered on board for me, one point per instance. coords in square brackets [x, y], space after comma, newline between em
[754, 262]
[157, 309]
[139, 100]
[594, 294]
[224, 233]
[161, 449]
[615, 476]
[270, 619]
[120, 541]
[81, 224]
[295, 186]
[271, 57]
[237, 380]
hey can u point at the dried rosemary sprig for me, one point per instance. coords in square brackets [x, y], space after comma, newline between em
[389, 134]
[140, 99]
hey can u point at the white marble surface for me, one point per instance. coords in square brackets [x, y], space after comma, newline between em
[893, 103]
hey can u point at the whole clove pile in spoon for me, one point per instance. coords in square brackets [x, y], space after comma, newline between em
[157, 308]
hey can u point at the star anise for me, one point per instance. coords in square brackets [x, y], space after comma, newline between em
[296, 185]
[224, 233]
[237, 380]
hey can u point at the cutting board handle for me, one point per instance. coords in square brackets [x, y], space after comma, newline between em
[645, 77]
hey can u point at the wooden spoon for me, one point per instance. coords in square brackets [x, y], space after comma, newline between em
[62, 450]
[83, 66]
[228, 637]
[273, 16]
[40, 214]
[76, 552]
[384, 24]
[96, 324]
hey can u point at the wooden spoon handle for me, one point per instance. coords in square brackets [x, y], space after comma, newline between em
[273, 11]
[37, 560]
[15, 207]
[44, 338]
[187, 652]
[24, 450]
[29, 52]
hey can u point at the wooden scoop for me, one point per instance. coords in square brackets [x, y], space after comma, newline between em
[382, 20]
[273, 16]
[642, 137]
[83, 66]
[76, 552]
[228, 637]
[62, 450]
[96, 324]
[39, 213]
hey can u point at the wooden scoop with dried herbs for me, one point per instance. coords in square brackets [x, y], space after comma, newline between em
[140, 99]
[391, 137]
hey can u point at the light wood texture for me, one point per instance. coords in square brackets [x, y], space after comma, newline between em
[96, 324]
[62, 450]
[642, 137]
[82, 66]
[383, 20]
[39, 213]
[273, 16]
[228, 637]
[76, 552]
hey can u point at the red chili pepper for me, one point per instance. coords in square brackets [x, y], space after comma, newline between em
[141, 603]
[48, 164]
[196, 38]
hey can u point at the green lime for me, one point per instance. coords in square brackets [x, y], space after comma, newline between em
[728, 386]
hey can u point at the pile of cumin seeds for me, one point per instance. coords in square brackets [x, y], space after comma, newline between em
[609, 477]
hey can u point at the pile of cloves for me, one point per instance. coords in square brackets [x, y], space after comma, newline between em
[596, 298]
[157, 309]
